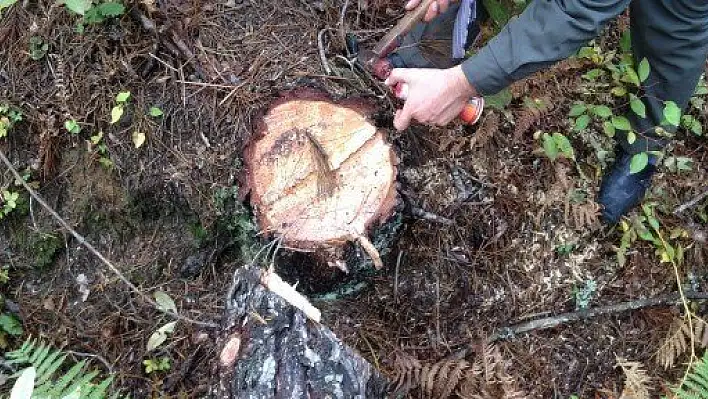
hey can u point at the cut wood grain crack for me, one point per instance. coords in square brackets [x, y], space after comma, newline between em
[81, 240]
[555, 321]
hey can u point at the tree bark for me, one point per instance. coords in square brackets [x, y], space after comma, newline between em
[271, 349]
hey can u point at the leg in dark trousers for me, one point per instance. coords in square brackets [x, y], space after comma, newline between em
[673, 36]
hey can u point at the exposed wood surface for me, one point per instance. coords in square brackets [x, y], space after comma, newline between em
[293, 138]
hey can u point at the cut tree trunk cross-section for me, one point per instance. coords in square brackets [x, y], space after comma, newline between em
[321, 174]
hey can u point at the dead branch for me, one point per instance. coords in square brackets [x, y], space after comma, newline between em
[690, 204]
[555, 321]
[94, 251]
[431, 217]
[323, 55]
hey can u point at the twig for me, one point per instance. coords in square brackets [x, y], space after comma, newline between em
[342, 28]
[232, 92]
[554, 321]
[100, 358]
[395, 279]
[216, 85]
[429, 216]
[323, 56]
[690, 204]
[94, 251]
[145, 22]
[168, 66]
[274, 283]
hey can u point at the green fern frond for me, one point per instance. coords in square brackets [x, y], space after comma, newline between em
[50, 382]
[695, 385]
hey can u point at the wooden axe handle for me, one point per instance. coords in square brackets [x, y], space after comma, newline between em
[412, 17]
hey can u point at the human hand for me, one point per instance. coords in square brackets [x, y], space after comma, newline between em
[436, 8]
[432, 96]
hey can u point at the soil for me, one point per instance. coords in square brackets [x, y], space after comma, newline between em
[169, 214]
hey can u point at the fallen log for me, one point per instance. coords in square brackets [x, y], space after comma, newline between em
[321, 177]
[271, 348]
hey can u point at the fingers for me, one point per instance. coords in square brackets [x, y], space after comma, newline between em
[412, 4]
[397, 75]
[402, 119]
[433, 11]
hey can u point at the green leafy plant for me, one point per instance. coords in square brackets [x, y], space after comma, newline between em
[166, 304]
[692, 124]
[583, 295]
[8, 202]
[626, 81]
[155, 112]
[37, 48]
[157, 365]
[695, 383]
[235, 219]
[42, 377]
[6, 3]
[121, 102]
[565, 249]
[498, 12]
[8, 118]
[648, 228]
[72, 126]
[4, 274]
[93, 12]
[100, 149]
[557, 145]
[678, 164]
[10, 324]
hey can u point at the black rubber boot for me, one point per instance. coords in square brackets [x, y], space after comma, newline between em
[621, 190]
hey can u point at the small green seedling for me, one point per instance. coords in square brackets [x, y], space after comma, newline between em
[37, 48]
[584, 294]
[557, 145]
[156, 112]
[117, 111]
[93, 13]
[8, 118]
[96, 141]
[157, 365]
[8, 201]
[72, 126]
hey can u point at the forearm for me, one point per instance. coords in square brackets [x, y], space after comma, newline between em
[546, 32]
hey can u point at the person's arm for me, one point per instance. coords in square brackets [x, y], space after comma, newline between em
[546, 32]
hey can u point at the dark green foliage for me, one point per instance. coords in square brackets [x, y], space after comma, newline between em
[236, 219]
[10, 324]
[45, 248]
[497, 11]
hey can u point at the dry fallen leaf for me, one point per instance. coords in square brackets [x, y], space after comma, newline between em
[138, 139]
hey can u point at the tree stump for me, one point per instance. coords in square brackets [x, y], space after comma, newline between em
[321, 175]
[271, 349]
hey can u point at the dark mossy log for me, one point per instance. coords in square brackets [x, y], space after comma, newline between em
[273, 346]
[322, 176]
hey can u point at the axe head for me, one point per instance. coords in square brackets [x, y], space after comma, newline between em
[374, 63]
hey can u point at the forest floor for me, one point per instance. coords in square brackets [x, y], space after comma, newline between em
[158, 195]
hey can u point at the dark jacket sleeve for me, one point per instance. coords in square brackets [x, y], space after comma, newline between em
[546, 32]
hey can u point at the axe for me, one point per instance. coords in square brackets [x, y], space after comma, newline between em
[371, 60]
